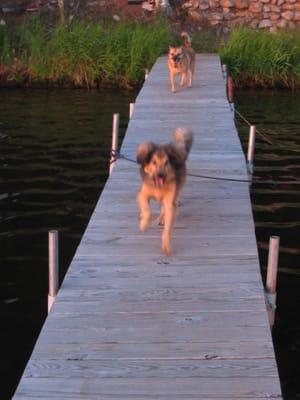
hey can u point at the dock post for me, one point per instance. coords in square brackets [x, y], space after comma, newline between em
[224, 70]
[270, 291]
[131, 109]
[146, 73]
[230, 88]
[230, 93]
[53, 267]
[114, 144]
[251, 147]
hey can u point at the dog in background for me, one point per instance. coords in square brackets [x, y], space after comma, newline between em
[181, 60]
[163, 172]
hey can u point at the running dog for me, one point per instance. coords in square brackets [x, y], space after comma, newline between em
[181, 60]
[163, 173]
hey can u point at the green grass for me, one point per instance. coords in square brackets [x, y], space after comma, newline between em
[263, 59]
[85, 54]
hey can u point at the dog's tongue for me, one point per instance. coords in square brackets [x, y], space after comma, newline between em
[159, 181]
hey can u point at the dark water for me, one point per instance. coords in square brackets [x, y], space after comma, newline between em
[277, 212]
[54, 149]
[53, 161]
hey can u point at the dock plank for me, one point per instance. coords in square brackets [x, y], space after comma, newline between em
[150, 388]
[257, 350]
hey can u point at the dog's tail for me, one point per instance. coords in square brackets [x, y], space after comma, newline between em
[187, 41]
[183, 140]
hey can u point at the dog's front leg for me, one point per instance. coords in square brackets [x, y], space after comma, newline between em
[183, 79]
[145, 210]
[172, 80]
[190, 79]
[161, 217]
[169, 215]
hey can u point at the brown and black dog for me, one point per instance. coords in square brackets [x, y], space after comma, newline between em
[181, 60]
[163, 172]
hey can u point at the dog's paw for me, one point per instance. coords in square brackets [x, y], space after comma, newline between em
[144, 223]
[161, 220]
[167, 249]
[166, 245]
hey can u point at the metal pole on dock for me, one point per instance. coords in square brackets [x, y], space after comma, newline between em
[224, 70]
[53, 267]
[271, 281]
[251, 147]
[131, 109]
[114, 144]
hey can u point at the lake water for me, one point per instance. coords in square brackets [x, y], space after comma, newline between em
[54, 149]
[54, 152]
[277, 212]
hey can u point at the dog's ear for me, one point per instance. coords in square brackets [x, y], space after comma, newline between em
[176, 157]
[144, 152]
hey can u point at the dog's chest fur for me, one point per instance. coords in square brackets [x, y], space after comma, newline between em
[159, 193]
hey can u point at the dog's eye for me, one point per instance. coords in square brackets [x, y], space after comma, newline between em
[154, 162]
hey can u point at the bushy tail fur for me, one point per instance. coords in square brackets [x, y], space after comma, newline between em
[183, 140]
[187, 41]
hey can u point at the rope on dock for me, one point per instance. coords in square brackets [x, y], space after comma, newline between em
[116, 155]
[249, 124]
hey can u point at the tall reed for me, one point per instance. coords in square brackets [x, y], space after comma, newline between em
[262, 58]
[85, 54]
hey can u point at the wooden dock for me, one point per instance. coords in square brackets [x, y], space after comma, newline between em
[131, 323]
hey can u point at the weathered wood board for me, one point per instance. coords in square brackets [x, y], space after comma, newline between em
[131, 323]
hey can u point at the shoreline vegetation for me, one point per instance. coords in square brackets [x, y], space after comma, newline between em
[82, 54]
[263, 59]
[89, 54]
